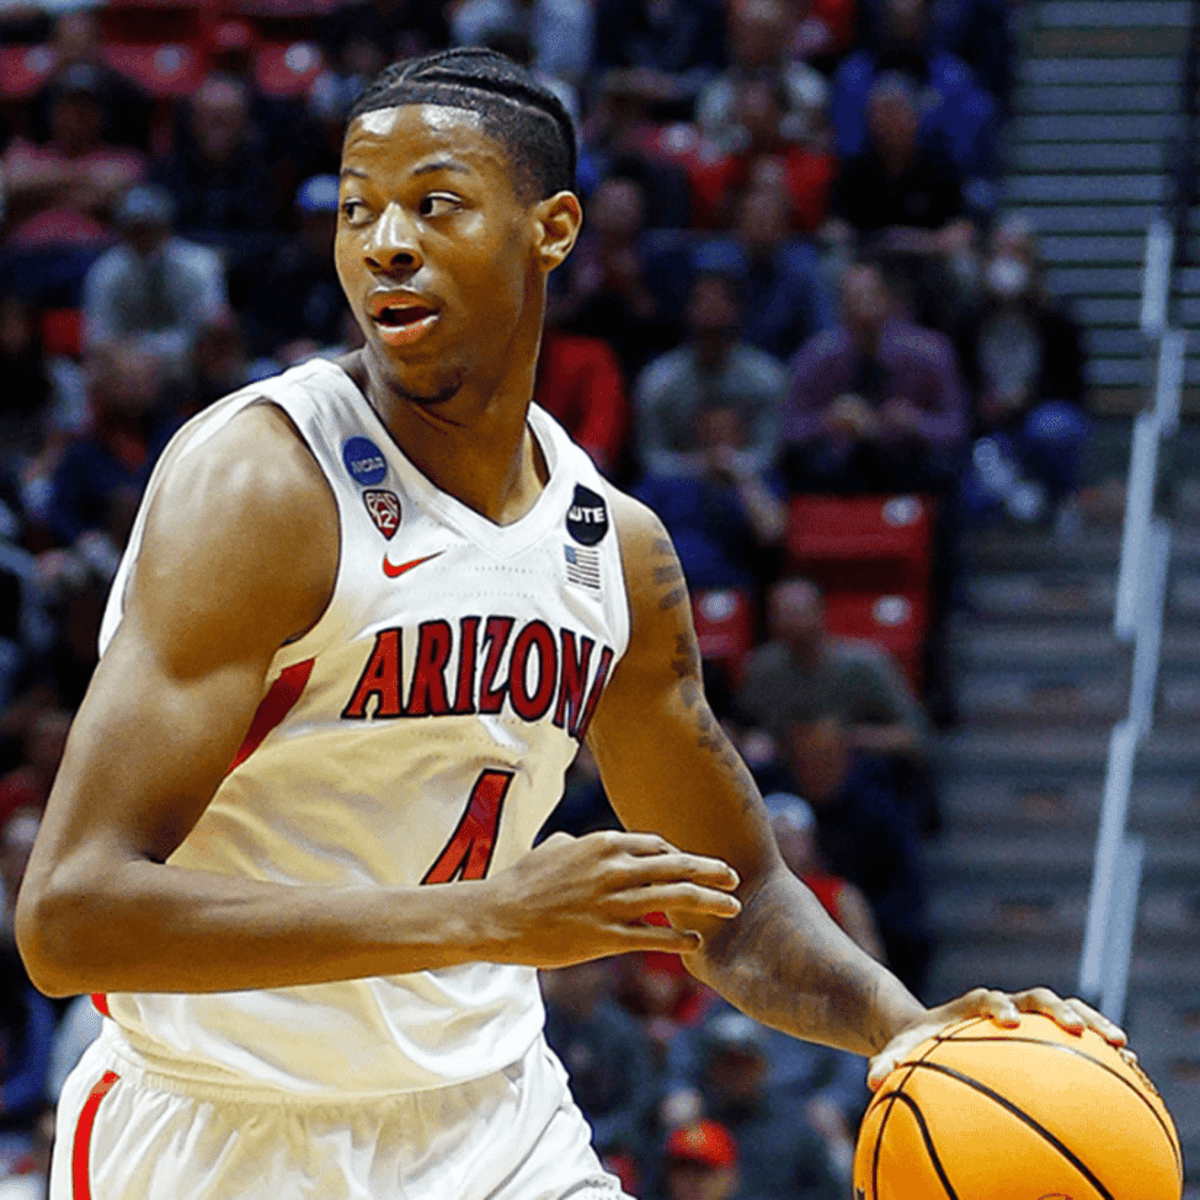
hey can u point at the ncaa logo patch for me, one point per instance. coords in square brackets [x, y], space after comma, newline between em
[587, 518]
[364, 460]
[384, 508]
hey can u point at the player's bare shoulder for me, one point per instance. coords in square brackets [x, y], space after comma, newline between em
[241, 536]
[653, 576]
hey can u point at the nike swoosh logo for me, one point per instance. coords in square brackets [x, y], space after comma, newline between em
[395, 570]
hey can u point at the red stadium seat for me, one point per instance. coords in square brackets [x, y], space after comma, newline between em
[23, 69]
[288, 68]
[153, 22]
[724, 619]
[62, 331]
[865, 543]
[172, 70]
[897, 623]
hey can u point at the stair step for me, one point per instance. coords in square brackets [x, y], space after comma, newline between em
[1097, 157]
[1048, 596]
[1071, 805]
[1052, 755]
[1054, 126]
[1155, 97]
[1052, 651]
[1107, 14]
[1064, 248]
[1115, 73]
[1042, 188]
[1054, 219]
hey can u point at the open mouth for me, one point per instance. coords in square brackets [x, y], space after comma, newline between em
[400, 324]
[396, 316]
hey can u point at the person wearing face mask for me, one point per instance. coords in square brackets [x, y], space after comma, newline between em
[1023, 359]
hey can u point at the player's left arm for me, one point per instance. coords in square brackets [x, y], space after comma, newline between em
[668, 767]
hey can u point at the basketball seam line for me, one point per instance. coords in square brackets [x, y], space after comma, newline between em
[892, 1098]
[1104, 1066]
[1021, 1115]
[929, 1146]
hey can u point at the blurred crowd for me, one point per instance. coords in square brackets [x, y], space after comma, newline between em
[794, 278]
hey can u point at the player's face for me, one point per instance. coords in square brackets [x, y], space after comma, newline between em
[435, 250]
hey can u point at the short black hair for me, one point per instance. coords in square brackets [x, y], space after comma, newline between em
[527, 119]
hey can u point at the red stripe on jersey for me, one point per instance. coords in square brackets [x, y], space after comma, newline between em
[100, 1000]
[275, 705]
[82, 1150]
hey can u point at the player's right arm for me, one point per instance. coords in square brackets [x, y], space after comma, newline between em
[239, 557]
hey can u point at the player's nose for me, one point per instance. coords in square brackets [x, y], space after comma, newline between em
[393, 247]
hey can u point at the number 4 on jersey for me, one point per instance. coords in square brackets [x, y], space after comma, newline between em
[468, 853]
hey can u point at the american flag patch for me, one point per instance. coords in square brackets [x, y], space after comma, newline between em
[583, 566]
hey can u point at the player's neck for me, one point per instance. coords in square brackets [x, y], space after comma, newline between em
[475, 446]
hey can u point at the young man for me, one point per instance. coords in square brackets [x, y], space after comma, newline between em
[395, 598]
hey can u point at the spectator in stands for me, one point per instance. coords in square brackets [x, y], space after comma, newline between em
[780, 1152]
[357, 59]
[713, 369]
[877, 404]
[27, 786]
[827, 1086]
[60, 194]
[99, 479]
[795, 827]
[803, 671]
[614, 1078]
[896, 185]
[868, 835]
[26, 1016]
[981, 33]
[1024, 361]
[700, 1162]
[73, 586]
[611, 291]
[560, 32]
[761, 38]
[955, 111]
[152, 290]
[786, 297]
[726, 518]
[400, 28]
[219, 177]
[41, 393]
[297, 307]
[220, 364]
[670, 48]
[579, 381]
[825, 31]
[765, 154]
[78, 41]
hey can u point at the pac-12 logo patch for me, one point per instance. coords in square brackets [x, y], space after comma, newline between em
[384, 508]
[587, 518]
[364, 460]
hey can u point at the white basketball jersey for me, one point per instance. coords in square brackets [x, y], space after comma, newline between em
[418, 734]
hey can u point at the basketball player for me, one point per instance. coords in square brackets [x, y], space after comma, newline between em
[396, 598]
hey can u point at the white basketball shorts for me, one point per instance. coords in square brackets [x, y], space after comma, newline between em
[129, 1133]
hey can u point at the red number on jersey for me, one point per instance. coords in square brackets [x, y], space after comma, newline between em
[468, 853]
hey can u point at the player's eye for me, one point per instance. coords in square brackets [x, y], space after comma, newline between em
[354, 211]
[437, 204]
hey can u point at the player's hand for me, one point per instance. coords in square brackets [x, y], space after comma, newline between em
[1002, 1007]
[573, 899]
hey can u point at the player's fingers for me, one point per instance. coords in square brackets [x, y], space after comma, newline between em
[636, 936]
[1051, 1004]
[989, 1002]
[697, 868]
[1098, 1022]
[686, 899]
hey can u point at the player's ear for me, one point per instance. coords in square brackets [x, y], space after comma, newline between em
[557, 222]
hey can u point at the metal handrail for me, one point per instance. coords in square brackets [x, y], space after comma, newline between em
[1141, 604]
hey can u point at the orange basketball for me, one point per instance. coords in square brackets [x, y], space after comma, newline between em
[1029, 1113]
